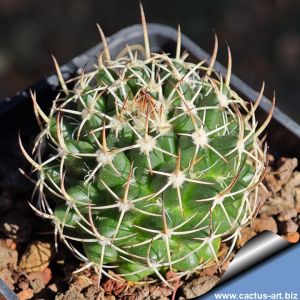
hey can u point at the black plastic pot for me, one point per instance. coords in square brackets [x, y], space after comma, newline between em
[16, 114]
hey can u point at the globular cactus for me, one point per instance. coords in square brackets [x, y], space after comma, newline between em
[151, 162]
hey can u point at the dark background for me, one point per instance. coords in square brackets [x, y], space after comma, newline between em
[264, 36]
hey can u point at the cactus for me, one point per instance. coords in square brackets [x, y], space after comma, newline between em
[150, 162]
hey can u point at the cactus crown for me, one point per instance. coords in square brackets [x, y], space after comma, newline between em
[149, 162]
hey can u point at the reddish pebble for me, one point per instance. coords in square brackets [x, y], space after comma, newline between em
[10, 244]
[262, 224]
[292, 237]
[46, 275]
[25, 295]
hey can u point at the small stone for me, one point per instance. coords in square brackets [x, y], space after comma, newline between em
[94, 278]
[288, 226]
[25, 295]
[297, 199]
[286, 169]
[199, 286]
[46, 275]
[53, 287]
[274, 185]
[279, 206]
[113, 286]
[23, 285]
[10, 244]
[292, 237]
[266, 223]
[80, 282]
[8, 257]
[36, 257]
[287, 215]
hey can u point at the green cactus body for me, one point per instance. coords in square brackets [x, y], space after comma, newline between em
[149, 163]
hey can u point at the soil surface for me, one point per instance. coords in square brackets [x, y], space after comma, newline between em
[32, 267]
